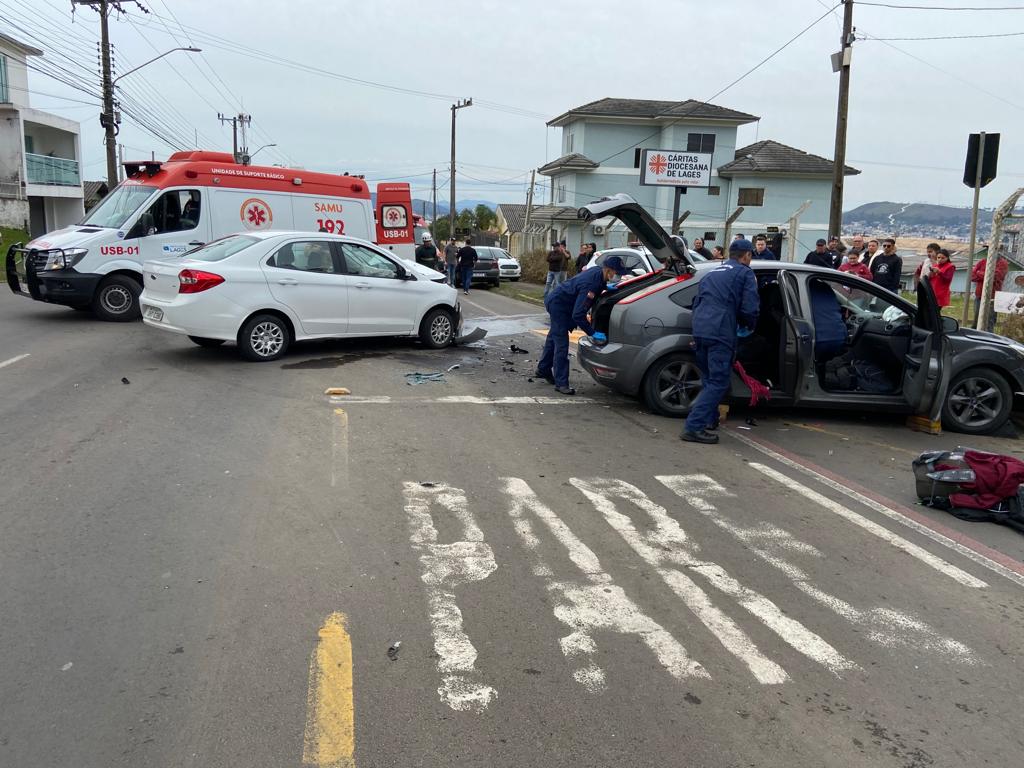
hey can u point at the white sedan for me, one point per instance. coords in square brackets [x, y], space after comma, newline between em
[508, 265]
[265, 290]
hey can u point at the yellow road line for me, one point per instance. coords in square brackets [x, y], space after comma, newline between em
[329, 741]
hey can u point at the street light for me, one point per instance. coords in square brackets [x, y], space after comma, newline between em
[190, 49]
[263, 147]
[107, 118]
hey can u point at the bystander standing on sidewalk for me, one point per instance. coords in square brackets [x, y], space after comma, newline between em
[699, 247]
[467, 260]
[558, 263]
[855, 266]
[978, 278]
[451, 260]
[887, 268]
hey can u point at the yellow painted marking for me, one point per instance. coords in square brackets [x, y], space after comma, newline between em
[574, 336]
[337, 391]
[329, 740]
[339, 448]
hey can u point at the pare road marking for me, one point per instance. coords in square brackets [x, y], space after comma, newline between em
[447, 567]
[329, 740]
[664, 545]
[886, 626]
[595, 604]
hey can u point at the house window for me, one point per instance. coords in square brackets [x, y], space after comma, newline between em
[561, 193]
[5, 97]
[714, 191]
[752, 196]
[710, 236]
[569, 143]
[700, 142]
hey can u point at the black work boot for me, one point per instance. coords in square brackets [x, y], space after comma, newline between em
[705, 437]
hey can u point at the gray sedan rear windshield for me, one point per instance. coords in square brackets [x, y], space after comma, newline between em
[221, 249]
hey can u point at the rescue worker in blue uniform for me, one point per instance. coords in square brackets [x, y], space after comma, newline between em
[567, 305]
[726, 306]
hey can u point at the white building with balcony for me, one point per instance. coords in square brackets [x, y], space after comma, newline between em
[40, 153]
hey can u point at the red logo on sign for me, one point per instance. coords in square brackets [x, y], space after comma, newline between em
[256, 214]
[393, 216]
[658, 164]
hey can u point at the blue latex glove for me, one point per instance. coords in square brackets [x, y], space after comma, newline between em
[600, 338]
[611, 286]
[742, 333]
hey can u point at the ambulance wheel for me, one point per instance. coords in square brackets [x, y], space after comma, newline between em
[264, 338]
[437, 329]
[202, 341]
[117, 299]
[672, 384]
[979, 402]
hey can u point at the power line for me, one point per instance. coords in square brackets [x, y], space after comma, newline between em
[945, 37]
[749, 72]
[943, 7]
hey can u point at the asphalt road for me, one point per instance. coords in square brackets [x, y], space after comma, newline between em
[569, 583]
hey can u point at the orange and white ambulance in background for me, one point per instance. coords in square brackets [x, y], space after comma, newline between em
[165, 208]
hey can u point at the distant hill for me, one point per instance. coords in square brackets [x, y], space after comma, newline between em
[922, 219]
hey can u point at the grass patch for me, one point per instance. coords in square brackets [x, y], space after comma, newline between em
[529, 292]
[9, 237]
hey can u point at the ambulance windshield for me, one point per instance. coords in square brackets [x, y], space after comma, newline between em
[117, 207]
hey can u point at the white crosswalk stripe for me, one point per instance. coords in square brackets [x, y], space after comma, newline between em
[587, 601]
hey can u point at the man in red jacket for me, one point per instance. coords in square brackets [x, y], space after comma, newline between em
[978, 278]
[855, 266]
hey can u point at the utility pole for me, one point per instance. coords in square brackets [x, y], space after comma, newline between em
[462, 103]
[108, 117]
[433, 199]
[841, 63]
[240, 152]
[527, 237]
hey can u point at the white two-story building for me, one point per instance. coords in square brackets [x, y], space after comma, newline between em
[601, 155]
[40, 153]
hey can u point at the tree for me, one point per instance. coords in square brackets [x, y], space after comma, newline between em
[465, 219]
[440, 229]
[485, 217]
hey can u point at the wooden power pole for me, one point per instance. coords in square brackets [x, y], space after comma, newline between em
[451, 200]
[841, 62]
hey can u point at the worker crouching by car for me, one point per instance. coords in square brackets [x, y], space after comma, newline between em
[567, 305]
[726, 306]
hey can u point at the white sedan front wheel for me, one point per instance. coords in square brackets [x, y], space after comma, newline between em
[438, 328]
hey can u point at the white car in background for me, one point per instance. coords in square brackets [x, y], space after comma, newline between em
[265, 290]
[508, 265]
[639, 261]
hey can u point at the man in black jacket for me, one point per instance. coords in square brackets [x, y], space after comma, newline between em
[887, 268]
[820, 256]
[467, 260]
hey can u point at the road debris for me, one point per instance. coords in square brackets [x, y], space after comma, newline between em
[517, 350]
[337, 391]
[416, 378]
[124, 380]
[451, 368]
[393, 650]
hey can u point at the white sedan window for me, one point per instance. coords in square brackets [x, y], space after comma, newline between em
[367, 263]
[305, 256]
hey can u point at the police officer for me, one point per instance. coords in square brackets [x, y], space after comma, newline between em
[726, 305]
[567, 305]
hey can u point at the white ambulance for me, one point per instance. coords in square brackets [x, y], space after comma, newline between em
[165, 208]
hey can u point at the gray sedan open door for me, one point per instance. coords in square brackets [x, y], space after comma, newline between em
[668, 249]
[927, 362]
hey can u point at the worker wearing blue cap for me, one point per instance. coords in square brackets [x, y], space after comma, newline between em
[726, 306]
[567, 306]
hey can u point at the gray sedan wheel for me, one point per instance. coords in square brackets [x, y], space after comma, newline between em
[979, 401]
[672, 384]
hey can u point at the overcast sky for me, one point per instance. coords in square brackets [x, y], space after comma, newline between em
[912, 104]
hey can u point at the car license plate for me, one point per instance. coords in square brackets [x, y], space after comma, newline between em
[154, 313]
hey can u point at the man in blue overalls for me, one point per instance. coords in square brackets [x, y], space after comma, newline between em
[726, 302]
[567, 305]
